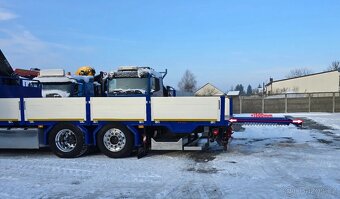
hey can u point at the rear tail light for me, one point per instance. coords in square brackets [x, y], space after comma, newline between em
[215, 132]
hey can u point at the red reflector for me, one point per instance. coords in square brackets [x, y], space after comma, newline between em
[215, 132]
[298, 121]
[232, 120]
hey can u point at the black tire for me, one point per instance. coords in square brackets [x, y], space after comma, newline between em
[76, 138]
[109, 147]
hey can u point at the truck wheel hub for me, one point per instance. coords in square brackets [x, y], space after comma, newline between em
[114, 140]
[66, 140]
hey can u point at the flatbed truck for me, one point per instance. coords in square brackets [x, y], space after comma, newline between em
[117, 123]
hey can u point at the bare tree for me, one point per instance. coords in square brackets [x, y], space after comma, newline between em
[188, 82]
[230, 89]
[298, 72]
[334, 66]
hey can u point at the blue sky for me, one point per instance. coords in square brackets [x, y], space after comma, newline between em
[222, 42]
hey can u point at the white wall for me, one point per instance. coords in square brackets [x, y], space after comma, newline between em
[118, 108]
[55, 109]
[324, 82]
[185, 108]
[9, 109]
[115, 109]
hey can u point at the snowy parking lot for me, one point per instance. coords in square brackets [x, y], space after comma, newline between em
[262, 162]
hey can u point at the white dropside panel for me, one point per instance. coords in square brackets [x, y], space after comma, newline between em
[185, 108]
[9, 109]
[227, 107]
[56, 109]
[118, 109]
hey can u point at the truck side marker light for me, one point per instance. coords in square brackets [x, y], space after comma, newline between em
[297, 121]
[232, 120]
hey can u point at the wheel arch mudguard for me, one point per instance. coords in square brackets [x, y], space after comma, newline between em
[132, 128]
[83, 129]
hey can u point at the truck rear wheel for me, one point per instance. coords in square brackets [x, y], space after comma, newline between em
[115, 141]
[67, 141]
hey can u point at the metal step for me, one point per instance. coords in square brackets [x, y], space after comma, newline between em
[181, 144]
[196, 145]
[176, 146]
[193, 148]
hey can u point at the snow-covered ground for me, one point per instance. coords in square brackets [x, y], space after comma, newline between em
[262, 162]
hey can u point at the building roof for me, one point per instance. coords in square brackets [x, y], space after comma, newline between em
[233, 93]
[301, 76]
[206, 86]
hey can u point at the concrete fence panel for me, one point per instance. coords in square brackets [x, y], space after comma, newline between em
[337, 104]
[321, 104]
[274, 105]
[298, 104]
[236, 105]
[290, 103]
[251, 105]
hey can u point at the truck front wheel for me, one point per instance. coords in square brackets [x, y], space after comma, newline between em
[115, 141]
[67, 141]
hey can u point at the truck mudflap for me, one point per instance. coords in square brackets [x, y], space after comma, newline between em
[265, 119]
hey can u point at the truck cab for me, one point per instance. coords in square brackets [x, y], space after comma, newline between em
[56, 84]
[133, 80]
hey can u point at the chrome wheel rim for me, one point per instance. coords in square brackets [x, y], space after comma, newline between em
[66, 140]
[114, 140]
